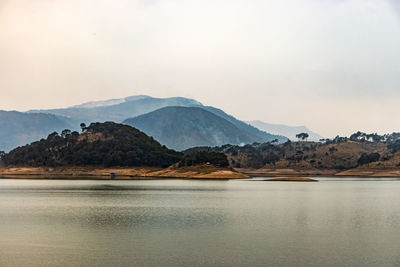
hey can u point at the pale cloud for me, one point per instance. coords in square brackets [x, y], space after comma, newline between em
[333, 65]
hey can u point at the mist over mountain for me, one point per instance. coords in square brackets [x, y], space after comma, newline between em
[17, 128]
[184, 127]
[117, 110]
[288, 131]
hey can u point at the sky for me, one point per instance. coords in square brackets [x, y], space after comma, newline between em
[332, 65]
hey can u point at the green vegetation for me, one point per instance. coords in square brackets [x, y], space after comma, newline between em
[100, 144]
[368, 158]
[205, 157]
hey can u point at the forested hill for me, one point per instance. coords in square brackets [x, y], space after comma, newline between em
[100, 144]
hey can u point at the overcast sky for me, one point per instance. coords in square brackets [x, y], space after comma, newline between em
[333, 65]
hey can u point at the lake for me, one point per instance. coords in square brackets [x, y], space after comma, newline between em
[346, 222]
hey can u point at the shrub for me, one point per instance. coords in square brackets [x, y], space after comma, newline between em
[368, 158]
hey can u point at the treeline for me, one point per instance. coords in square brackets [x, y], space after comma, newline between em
[205, 157]
[365, 138]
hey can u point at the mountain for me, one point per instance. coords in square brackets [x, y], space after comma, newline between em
[17, 128]
[288, 131]
[184, 127]
[102, 144]
[117, 110]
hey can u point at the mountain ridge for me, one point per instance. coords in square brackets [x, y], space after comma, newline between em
[184, 127]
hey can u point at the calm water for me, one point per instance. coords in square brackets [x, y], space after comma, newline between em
[199, 223]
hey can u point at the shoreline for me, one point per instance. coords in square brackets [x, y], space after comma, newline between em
[138, 173]
[366, 173]
[194, 172]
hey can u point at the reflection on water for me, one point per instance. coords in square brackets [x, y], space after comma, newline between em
[198, 223]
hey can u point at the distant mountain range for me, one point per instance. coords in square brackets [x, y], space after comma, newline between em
[17, 128]
[288, 131]
[184, 127]
[20, 128]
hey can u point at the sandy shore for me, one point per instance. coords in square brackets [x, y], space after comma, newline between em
[318, 173]
[198, 172]
[291, 179]
[286, 172]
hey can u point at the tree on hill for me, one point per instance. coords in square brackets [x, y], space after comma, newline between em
[65, 133]
[83, 127]
[302, 136]
[358, 136]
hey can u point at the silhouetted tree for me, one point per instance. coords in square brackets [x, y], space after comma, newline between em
[83, 127]
[65, 133]
[302, 136]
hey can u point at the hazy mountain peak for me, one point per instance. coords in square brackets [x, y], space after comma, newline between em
[110, 102]
[117, 101]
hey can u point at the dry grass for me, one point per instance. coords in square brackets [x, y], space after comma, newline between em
[196, 172]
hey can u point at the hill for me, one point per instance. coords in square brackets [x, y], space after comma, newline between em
[360, 151]
[17, 128]
[101, 144]
[184, 127]
[288, 131]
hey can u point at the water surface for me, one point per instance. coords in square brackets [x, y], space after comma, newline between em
[199, 223]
